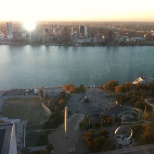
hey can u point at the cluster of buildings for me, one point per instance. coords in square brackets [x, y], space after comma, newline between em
[12, 34]
[70, 34]
[12, 135]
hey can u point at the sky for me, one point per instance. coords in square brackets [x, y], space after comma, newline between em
[77, 10]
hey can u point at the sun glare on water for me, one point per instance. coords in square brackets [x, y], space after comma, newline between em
[29, 25]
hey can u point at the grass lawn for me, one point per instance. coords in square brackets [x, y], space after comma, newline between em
[36, 139]
[24, 108]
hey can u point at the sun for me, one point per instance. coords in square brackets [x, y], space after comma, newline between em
[29, 25]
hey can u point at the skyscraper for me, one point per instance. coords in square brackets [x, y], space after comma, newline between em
[9, 30]
[109, 37]
[83, 31]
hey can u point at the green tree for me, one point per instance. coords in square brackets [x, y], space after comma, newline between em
[25, 150]
[80, 89]
[42, 94]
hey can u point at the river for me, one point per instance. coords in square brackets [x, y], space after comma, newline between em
[36, 66]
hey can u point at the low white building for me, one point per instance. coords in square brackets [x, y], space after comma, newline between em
[137, 39]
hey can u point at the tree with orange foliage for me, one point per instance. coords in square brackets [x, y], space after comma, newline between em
[119, 89]
[110, 86]
[69, 87]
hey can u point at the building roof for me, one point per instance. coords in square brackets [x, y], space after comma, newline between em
[115, 110]
[5, 133]
[2, 135]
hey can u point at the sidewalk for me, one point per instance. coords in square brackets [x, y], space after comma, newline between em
[62, 145]
[144, 149]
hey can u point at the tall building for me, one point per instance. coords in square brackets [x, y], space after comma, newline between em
[83, 31]
[75, 37]
[9, 30]
[116, 36]
[109, 37]
[73, 30]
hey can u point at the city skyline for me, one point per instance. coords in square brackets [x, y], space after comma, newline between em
[69, 10]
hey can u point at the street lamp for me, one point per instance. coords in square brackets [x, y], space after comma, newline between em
[88, 116]
[101, 115]
[25, 132]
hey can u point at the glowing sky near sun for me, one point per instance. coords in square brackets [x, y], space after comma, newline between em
[93, 10]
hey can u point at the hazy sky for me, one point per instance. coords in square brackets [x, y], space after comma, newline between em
[104, 10]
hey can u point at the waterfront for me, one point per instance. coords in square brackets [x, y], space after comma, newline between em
[36, 66]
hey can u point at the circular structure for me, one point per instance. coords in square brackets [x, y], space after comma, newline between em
[123, 134]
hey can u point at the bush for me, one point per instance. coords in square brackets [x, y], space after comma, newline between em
[144, 133]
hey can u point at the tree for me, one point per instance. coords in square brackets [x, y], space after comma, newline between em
[140, 104]
[110, 86]
[104, 132]
[42, 93]
[62, 95]
[25, 150]
[80, 89]
[107, 119]
[98, 144]
[119, 89]
[69, 87]
[49, 148]
[128, 86]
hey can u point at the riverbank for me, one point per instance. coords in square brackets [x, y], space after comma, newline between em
[54, 44]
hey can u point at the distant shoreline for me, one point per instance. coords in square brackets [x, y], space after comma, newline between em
[54, 87]
[50, 44]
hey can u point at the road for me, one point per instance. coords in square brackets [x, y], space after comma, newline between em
[74, 140]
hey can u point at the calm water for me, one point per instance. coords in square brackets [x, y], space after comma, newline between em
[35, 66]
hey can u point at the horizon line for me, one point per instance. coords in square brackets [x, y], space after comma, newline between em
[101, 21]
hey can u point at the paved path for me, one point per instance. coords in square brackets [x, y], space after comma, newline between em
[61, 145]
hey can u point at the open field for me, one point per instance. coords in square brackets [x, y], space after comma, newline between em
[24, 108]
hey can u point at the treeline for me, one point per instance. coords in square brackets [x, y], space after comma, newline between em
[128, 87]
[57, 105]
[144, 133]
[130, 94]
[99, 140]
[72, 89]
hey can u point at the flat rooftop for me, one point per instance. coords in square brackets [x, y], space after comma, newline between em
[2, 135]
[5, 133]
